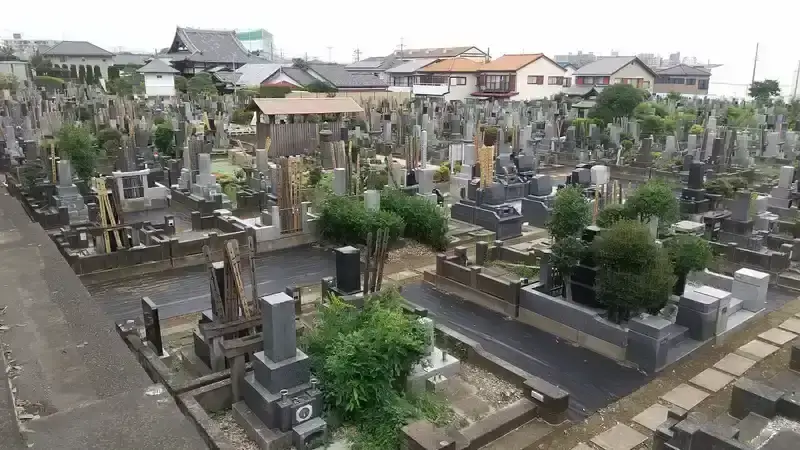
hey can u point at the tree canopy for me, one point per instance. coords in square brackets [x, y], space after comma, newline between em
[78, 145]
[616, 101]
[654, 199]
[164, 140]
[762, 91]
[571, 213]
[201, 83]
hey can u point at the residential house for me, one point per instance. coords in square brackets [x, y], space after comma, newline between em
[80, 57]
[159, 79]
[460, 75]
[570, 73]
[131, 59]
[682, 79]
[520, 77]
[194, 51]
[615, 70]
[405, 75]
[329, 74]
[440, 53]
[257, 74]
[376, 66]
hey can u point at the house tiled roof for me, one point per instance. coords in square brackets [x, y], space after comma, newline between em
[608, 66]
[227, 77]
[299, 75]
[255, 74]
[411, 66]
[374, 62]
[444, 52]
[157, 66]
[131, 59]
[76, 48]
[339, 77]
[464, 65]
[683, 69]
[510, 63]
[214, 46]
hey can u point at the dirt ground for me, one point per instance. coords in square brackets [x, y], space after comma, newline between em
[625, 409]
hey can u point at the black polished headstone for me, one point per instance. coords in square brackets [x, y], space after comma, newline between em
[152, 325]
[696, 175]
[348, 269]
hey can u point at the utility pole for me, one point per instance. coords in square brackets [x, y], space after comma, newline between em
[401, 47]
[796, 79]
[330, 59]
[357, 54]
[755, 60]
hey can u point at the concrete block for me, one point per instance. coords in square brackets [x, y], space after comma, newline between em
[734, 364]
[754, 298]
[282, 374]
[619, 437]
[685, 396]
[777, 336]
[750, 396]
[652, 417]
[751, 276]
[711, 380]
[756, 350]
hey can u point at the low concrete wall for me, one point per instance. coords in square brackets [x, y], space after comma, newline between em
[468, 282]
[576, 323]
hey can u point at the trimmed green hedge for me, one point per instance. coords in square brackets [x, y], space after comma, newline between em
[424, 221]
[345, 220]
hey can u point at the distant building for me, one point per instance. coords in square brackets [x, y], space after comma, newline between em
[258, 41]
[520, 77]
[576, 59]
[333, 75]
[473, 53]
[194, 51]
[26, 48]
[19, 69]
[377, 66]
[159, 79]
[622, 69]
[682, 79]
[75, 54]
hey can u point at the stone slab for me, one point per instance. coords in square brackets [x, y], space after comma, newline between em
[792, 325]
[685, 396]
[619, 437]
[756, 350]
[652, 417]
[582, 446]
[734, 364]
[712, 380]
[777, 336]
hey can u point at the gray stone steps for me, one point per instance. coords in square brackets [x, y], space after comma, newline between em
[734, 306]
[789, 280]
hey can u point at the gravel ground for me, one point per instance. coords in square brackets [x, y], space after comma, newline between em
[410, 250]
[496, 392]
[233, 431]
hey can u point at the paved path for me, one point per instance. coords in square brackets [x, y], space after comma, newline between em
[186, 290]
[66, 362]
[593, 381]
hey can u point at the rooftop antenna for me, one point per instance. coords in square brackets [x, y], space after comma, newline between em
[330, 59]
[755, 61]
[357, 54]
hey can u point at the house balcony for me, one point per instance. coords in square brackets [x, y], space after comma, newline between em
[496, 86]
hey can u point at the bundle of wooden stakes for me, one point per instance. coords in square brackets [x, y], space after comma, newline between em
[374, 259]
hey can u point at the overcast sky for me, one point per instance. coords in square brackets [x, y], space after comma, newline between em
[723, 32]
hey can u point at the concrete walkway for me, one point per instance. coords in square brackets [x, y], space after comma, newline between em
[73, 381]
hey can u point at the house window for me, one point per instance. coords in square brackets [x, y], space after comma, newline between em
[567, 82]
[555, 81]
[645, 85]
[588, 80]
[690, 81]
[535, 79]
[158, 76]
[63, 59]
[601, 81]
[458, 81]
[497, 83]
[702, 84]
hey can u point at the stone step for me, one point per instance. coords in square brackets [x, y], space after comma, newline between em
[522, 437]
[789, 280]
[265, 438]
[735, 305]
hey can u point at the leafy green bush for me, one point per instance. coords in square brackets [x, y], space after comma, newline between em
[655, 199]
[164, 140]
[424, 221]
[242, 117]
[78, 145]
[362, 358]
[571, 213]
[49, 83]
[345, 220]
[612, 214]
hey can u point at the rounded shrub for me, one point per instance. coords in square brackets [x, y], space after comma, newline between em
[345, 220]
[424, 221]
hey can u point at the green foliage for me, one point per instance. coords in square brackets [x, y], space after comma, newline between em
[242, 117]
[654, 199]
[567, 253]
[314, 176]
[273, 91]
[762, 91]
[697, 129]
[8, 81]
[489, 136]
[635, 274]
[362, 358]
[201, 84]
[345, 220]
[652, 125]
[77, 144]
[689, 253]
[126, 85]
[49, 83]
[674, 96]
[612, 214]
[90, 76]
[424, 221]
[319, 86]
[627, 144]
[442, 175]
[617, 101]
[109, 139]
[571, 214]
[164, 140]
[741, 117]
[725, 186]
[181, 83]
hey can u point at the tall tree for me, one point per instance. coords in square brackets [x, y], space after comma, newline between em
[762, 91]
[616, 101]
[77, 144]
[201, 83]
[7, 54]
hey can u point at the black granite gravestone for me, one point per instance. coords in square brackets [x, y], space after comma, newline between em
[152, 325]
[348, 269]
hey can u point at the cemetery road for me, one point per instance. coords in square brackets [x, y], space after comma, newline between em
[593, 381]
[182, 291]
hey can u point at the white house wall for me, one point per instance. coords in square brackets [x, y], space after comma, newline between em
[159, 85]
[633, 70]
[540, 67]
[465, 91]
